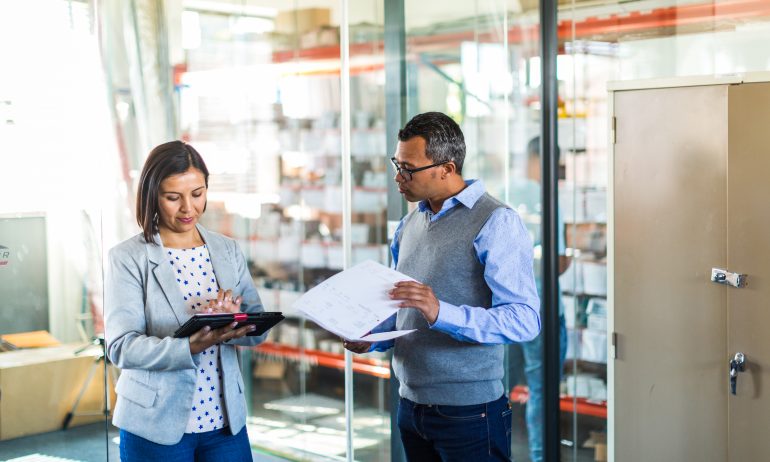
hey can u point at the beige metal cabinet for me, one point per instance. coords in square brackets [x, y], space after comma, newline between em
[690, 192]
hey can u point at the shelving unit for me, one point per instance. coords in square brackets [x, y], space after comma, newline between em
[567, 403]
[374, 367]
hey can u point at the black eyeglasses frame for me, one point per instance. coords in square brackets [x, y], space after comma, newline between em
[411, 171]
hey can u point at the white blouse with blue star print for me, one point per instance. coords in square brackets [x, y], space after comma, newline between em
[195, 276]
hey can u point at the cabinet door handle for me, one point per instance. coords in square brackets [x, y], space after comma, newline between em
[737, 364]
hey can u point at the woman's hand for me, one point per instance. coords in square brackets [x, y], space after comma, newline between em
[207, 336]
[224, 303]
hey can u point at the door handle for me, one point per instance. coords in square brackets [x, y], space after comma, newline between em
[737, 364]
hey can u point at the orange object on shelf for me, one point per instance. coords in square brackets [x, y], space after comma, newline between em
[374, 367]
[32, 339]
[520, 394]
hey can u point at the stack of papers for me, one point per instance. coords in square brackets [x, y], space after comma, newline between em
[355, 301]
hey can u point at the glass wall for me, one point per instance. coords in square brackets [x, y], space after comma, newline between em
[59, 155]
[479, 63]
[259, 94]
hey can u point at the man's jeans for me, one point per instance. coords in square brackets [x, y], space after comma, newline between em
[533, 370]
[479, 432]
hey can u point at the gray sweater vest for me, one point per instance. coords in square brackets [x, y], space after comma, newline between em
[434, 368]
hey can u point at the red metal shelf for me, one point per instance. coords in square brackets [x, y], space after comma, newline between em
[373, 367]
[627, 22]
[380, 368]
[520, 394]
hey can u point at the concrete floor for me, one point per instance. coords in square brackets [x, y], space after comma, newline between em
[88, 443]
[85, 443]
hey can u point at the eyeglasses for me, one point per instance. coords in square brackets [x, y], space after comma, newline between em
[406, 173]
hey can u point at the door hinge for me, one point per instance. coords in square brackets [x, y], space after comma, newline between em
[614, 130]
[614, 345]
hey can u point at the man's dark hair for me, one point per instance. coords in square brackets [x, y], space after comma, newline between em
[165, 160]
[444, 140]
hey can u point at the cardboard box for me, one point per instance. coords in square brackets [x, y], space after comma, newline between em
[598, 441]
[600, 452]
[594, 277]
[594, 346]
[38, 387]
[322, 37]
[302, 20]
[33, 339]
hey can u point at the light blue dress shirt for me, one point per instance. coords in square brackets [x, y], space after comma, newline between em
[504, 248]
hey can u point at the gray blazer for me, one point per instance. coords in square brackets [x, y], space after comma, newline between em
[143, 307]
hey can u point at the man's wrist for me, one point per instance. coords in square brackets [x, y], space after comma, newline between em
[433, 317]
[447, 317]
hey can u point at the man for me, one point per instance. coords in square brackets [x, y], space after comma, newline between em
[527, 196]
[473, 258]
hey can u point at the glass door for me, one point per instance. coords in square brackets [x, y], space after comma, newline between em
[260, 91]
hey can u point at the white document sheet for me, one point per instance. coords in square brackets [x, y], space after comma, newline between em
[353, 302]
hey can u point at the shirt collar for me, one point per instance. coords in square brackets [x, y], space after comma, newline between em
[473, 191]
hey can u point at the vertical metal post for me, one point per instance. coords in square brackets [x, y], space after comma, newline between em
[395, 118]
[549, 160]
[507, 117]
[165, 73]
[395, 93]
[346, 204]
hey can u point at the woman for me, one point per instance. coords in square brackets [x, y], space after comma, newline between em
[179, 399]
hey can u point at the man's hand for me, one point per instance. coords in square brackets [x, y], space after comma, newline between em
[207, 337]
[418, 296]
[357, 347]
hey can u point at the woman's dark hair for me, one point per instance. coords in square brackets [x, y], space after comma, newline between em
[444, 140]
[165, 160]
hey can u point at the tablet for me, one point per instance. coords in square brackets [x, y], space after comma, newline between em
[263, 320]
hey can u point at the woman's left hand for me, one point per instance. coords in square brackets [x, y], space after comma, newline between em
[224, 303]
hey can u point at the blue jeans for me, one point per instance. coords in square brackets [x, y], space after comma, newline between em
[533, 370]
[214, 446]
[479, 432]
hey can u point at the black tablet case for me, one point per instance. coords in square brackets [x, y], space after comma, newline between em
[263, 321]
